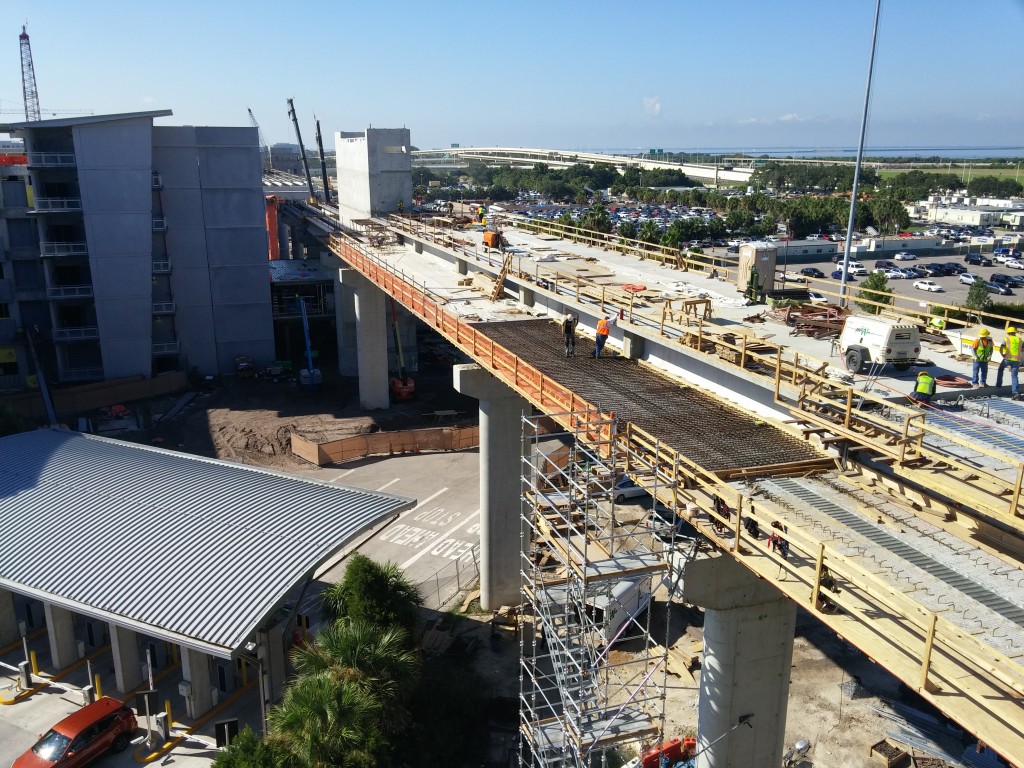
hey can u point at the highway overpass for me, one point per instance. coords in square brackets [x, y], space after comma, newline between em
[459, 157]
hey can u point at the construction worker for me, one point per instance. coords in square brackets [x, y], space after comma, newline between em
[937, 324]
[569, 332]
[1010, 350]
[924, 388]
[603, 329]
[983, 349]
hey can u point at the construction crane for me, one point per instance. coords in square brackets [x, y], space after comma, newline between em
[264, 147]
[302, 151]
[28, 86]
[28, 78]
[323, 161]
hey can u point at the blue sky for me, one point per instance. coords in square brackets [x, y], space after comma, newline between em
[561, 73]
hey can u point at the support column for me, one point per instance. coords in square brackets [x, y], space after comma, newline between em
[371, 340]
[298, 250]
[60, 627]
[748, 650]
[195, 669]
[501, 430]
[8, 618]
[461, 266]
[527, 296]
[124, 645]
[632, 345]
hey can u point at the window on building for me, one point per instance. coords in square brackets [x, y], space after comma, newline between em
[21, 233]
[5, 311]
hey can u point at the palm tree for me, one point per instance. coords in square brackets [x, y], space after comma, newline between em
[323, 723]
[377, 660]
[379, 594]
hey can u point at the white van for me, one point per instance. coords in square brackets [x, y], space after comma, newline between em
[879, 340]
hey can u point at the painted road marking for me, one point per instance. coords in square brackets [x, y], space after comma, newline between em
[346, 473]
[446, 545]
[387, 484]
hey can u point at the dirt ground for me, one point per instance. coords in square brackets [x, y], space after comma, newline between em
[832, 686]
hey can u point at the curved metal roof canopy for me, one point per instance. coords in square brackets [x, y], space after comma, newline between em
[196, 551]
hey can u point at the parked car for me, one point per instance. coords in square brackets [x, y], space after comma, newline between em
[905, 256]
[838, 275]
[83, 736]
[977, 260]
[733, 249]
[884, 264]
[811, 272]
[816, 298]
[928, 285]
[999, 277]
[1014, 264]
[1002, 290]
[934, 270]
[856, 268]
[955, 267]
[1015, 281]
[914, 273]
[967, 278]
[626, 489]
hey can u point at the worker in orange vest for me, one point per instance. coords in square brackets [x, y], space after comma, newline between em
[602, 335]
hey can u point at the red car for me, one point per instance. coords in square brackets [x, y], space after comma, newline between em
[83, 736]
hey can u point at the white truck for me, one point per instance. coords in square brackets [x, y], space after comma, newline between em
[867, 341]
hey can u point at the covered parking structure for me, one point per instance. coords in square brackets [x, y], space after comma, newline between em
[150, 548]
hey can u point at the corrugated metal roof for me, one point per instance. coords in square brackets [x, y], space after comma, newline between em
[194, 550]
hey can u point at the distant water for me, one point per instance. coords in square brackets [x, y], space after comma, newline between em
[952, 153]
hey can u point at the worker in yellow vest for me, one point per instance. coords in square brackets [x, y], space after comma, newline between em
[983, 349]
[924, 388]
[1010, 350]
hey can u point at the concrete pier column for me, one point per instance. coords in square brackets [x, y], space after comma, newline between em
[195, 669]
[124, 646]
[748, 650]
[461, 266]
[527, 296]
[501, 410]
[632, 345]
[60, 627]
[371, 340]
[8, 618]
[298, 250]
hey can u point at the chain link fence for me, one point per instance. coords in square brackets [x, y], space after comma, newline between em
[458, 576]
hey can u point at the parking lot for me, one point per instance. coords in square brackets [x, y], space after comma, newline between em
[954, 291]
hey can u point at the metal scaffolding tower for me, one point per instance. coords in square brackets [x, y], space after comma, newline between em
[589, 574]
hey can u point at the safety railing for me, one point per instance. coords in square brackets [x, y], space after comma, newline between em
[959, 673]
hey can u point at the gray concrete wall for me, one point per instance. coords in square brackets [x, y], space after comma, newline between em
[374, 172]
[115, 179]
[217, 243]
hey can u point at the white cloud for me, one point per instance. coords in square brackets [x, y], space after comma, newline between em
[792, 117]
[148, 99]
[652, 106]
[752, 121]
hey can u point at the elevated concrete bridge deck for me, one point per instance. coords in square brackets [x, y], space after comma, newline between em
[958, 667]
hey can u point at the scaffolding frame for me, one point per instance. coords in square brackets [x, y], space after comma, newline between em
[588, 579]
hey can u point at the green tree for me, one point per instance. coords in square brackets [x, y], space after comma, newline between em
[874, 288]
[978, 297]
[650, 232]
[249, 750]
[597, 219]
[626, 230]
[374, 593]
[324, 723]
[378, 660]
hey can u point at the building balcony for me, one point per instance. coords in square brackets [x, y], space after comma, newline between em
[58, 205]
[165, 348]
[69, 292]
[161, 267]
[61, 248]
[51, 160]
[88, 333]
[158, 182]
[163, 307]
[81, 374]
[159, 225]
